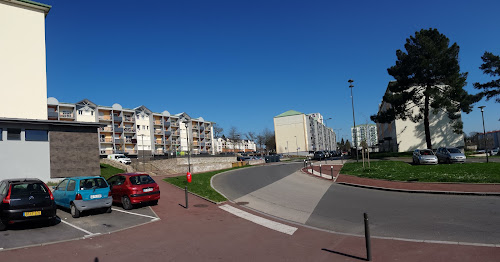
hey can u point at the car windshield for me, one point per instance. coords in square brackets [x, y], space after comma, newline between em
[27, 189]
[121, 157]
[91, 183]
[454, 150]
[141, 180]
[426, 153]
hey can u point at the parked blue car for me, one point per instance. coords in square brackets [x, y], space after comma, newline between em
[83, 193]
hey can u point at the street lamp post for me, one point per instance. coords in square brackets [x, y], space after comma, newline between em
[186, 123]
[287, 149]
[484, 133]
[354, 120]
[142, 141]
[296, 145]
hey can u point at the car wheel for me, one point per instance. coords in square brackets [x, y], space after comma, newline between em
[127, 205]
[154, 202]
[2, 226]
[75, 213]
[108, 210]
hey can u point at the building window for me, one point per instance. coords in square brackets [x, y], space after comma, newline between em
[91, 113]
[80, 112]
[36, 135]
[13, 133]
[138, 127]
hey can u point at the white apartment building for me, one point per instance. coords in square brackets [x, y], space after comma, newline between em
[405, 135]
[298, 133]
[222, 145]
[138, 131]
[366, 132]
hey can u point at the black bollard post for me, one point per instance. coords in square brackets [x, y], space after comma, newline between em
[331, 171]
[367, 239]
[320, 171]
[186, 190]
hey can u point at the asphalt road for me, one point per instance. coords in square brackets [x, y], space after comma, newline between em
[280, 190]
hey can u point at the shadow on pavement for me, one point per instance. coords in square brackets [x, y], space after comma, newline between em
[343, 254]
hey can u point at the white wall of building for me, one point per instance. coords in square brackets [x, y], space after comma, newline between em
[83, 115]
[143, 132]
[23, 81]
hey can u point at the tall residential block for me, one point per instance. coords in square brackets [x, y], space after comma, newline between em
[367, 132]
[296, 132]
[23, 81]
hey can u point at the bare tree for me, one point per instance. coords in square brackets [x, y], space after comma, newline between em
[234, 135]
[269, 139]
[218, 130]
[250, 136]
[261, 140]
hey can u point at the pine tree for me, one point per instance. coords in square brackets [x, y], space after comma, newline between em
[427, 77]
[490, 66]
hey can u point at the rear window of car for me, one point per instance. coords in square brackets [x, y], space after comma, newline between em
[26, 189]
[91, 183]
[426, 152]
[141, 180]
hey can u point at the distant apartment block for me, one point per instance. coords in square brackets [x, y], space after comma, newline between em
[405, 135]
[138, 130]
[296, 132]
[223, 145]
[367, 132]
[492, 140]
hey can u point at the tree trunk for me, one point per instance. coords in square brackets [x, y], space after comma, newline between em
[426, 122]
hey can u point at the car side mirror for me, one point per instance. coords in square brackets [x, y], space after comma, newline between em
[54, 187]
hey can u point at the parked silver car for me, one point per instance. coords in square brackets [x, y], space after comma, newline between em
[424, 156]
[450, 155]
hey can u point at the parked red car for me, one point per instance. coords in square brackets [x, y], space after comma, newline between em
[133, 188]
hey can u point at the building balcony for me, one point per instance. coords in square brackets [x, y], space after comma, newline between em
[117, 119]
[52, 114]
[158, 142]
[168, 133]
[106, 151]
[105, 118]
[119, 151]
[66, 115]
[131, 151]
[166, 123]
[106, 129]
[157, 122]
[158, 131]
[177, 133]
[195, 127]
[118, 141]
[106, 140]
[195, 135]
[118, 130]
[202, 135]
[130, 141]
[129, 129]
[175, 124]
[128, 119]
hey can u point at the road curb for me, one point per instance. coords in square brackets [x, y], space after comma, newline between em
[420, 191]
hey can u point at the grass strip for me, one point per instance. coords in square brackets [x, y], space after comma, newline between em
[200, 184]
[107, 171]
[401, 171]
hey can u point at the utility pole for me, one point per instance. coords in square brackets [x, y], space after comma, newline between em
[351, 86]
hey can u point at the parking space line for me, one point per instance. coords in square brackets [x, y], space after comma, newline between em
[79, 228]
[135, 213]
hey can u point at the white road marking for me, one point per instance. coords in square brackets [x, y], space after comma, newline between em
[259, 220]
[119, 210]
[79, 228]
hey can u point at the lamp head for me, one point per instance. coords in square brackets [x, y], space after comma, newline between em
[350, 81]
[481, 107]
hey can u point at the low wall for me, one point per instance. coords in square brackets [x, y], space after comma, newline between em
[198, 165]
[127, 168]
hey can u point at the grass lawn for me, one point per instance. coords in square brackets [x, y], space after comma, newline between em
[107, 171]
[400, 171]
[379, 155]
[200, 184]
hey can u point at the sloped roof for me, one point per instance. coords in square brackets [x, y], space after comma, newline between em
[290, 113]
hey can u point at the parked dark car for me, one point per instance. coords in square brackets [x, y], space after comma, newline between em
[25, 200]
[319, 155]
[450, 155]
[133, 188]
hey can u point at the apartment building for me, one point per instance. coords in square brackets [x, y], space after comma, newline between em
[31, 146]
[405, 135]
[138, 131]
[222, 145]
[492, 140]
[301, 133]
[366, 132]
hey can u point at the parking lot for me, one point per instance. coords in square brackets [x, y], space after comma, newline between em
[90, 224]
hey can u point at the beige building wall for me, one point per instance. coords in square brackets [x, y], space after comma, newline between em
[286, 129]
[23, 82]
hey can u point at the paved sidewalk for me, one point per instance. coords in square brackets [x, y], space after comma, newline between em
[205, 232]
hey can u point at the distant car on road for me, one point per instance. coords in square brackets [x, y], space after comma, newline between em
[450, 155]
[25, 200]
[83, 193]
[133, 188]
[319, 155]
[424, 156]
[494, 151]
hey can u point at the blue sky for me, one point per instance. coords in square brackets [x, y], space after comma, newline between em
[240, 63]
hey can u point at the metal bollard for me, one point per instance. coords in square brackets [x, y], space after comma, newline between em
[186, 190]
[320, 171]
[331, 171]
[311, 166]
[367, 239]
